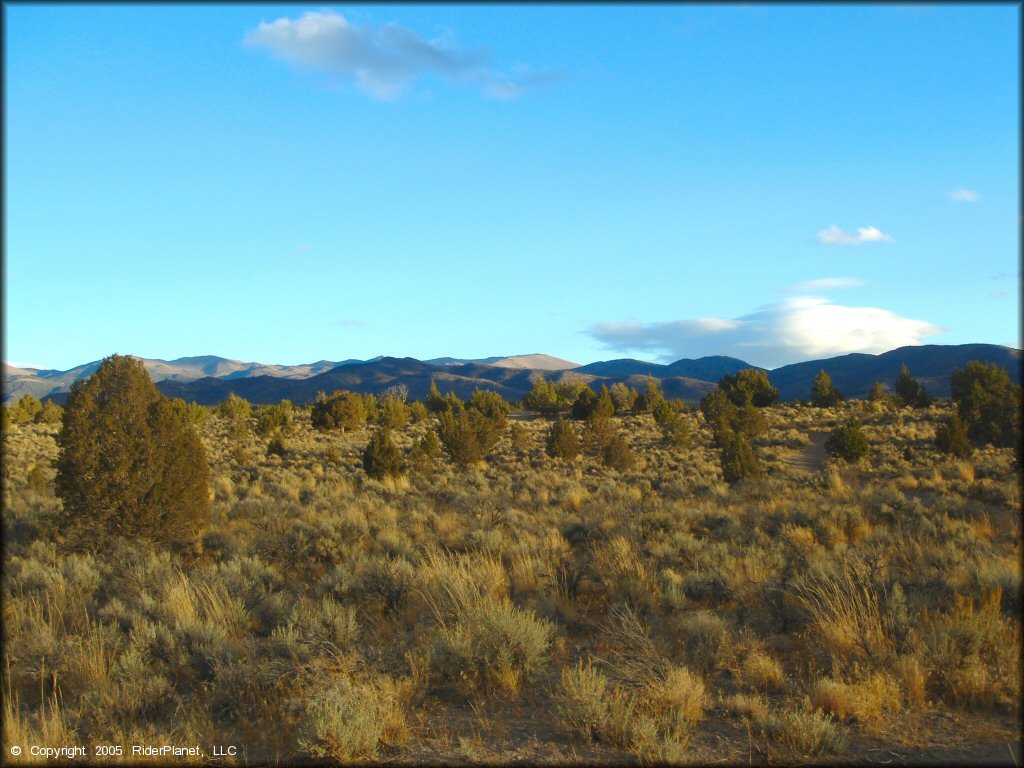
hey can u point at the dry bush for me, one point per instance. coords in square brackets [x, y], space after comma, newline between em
[760, 671]
[675, 592]
[846, 614]
[974, 651]
[347, 721]
[867, 701]
[681, 696]
[913, 678]
[482, 640]
[806, 733]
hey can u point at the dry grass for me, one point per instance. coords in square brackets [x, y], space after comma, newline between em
[449, 613]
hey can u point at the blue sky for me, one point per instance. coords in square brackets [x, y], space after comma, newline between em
[292, 183]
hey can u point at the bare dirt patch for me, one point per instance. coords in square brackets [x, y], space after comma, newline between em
[813, 457]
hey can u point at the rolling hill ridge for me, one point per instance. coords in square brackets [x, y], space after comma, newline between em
[209, 379]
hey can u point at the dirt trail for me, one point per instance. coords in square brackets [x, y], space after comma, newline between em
[813, 456]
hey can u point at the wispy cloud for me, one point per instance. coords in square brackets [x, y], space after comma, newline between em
[997, 294]
[797, 329]
[353, 324]
[963, 196]
[384, 61]
[824, 284]
[836, 236]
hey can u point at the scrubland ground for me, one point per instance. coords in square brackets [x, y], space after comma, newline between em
[531, 609]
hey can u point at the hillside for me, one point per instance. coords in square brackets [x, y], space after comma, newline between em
[931, 364]
[209, 379]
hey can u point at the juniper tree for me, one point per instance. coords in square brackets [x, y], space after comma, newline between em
[624, 397]
[561, 441]
[951, 437]
[469, 434]
[50, 413]
[738, 460]
[847, 442]
[542, 397]
[648, 400]
[128, 464]
[878, 393]
[26, 409]
[910, 391]
[342, 410]
[618, 455]
[988, 403]
[381, 458]
[749, 386]
[584, 405]
[823, 393]
[394, 414]
[275, 418]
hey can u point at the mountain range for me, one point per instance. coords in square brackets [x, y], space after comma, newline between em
[210, 379]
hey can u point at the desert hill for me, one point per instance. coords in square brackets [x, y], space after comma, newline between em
[209, 379]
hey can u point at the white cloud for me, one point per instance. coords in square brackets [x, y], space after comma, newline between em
[963, 196]
[353, 324]
[797, 329]
[383, 61]
[836, 236]
[825, 284]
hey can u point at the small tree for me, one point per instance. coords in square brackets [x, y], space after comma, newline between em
[676, 429]
[847, 442]
[50, 413]
[128, 464]
[648, 400]
[823, 394]
[276, 446]
[561, 442]
[342, 410]
[567, 390]
[519, 437]
[417, 411]
[277, 418]
[666, 410]
[491, 404]
[424, 452]
[597, 433]
[618, 455]
[877, 394]
[435, 402]
[234, 408]
[542, 397]
[951, 437]
[988, 403]
[726, 419]
[192, 412]
[720, 414]
[584, 405]
[381, 457]
[738, 460]
[27, 408]
[394, 414]
[749, 386]
[427, 448]
[469, 434]
[624, 397]
[910, 391]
